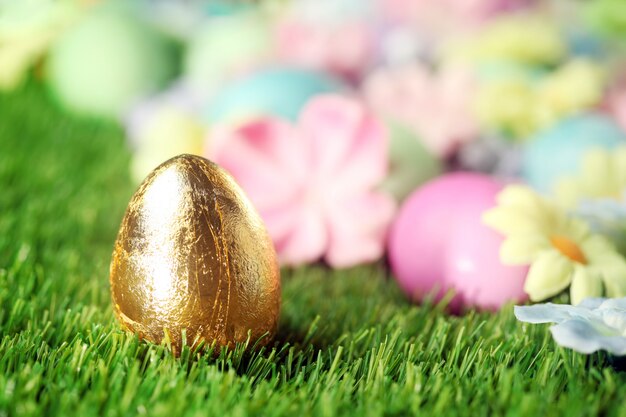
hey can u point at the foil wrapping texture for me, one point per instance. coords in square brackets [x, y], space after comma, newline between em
[192, 253]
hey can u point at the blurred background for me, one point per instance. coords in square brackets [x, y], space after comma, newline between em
[389, 94]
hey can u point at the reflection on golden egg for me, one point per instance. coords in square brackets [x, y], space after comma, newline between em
[192, 253]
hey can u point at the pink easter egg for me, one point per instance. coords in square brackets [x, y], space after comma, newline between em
[439, 243]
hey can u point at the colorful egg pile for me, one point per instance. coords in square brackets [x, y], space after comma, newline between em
[354, 125]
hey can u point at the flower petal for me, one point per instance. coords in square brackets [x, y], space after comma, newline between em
[348, 146]
[330, 123]
[358, 228]
[567, 192]
[597, 174]
[281, 221]
[550, 274]
[572, 227]
[597, 248]
[545, 313]
[613, 270]
[587, 337]
[585, 284]
[366, 166]
[520, 196]
[307, 242]
[591, 303]
[522, 250]
[510, 221]
[435, 107]
[250, 154]
[612, 303]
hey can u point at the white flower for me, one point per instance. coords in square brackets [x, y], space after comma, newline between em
[595, 324]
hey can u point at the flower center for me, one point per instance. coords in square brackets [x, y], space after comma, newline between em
[568, 248]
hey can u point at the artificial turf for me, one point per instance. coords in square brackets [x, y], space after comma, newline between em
[349, 343]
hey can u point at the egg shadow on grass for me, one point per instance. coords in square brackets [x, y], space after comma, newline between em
[321, 307]
[252, 358]
[284, 355]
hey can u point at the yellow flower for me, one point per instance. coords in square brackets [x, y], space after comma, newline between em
[561, 250]
[519, 106]
[507, 105]
[525, 39]
[577, 85]
[602, 175]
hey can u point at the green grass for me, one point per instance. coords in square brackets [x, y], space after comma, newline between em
[349, 343]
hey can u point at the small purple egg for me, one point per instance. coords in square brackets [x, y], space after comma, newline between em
[439, 243]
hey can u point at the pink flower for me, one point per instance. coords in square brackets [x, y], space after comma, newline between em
[437, 108]
[440, 16]
[314, 183]
[345, 48]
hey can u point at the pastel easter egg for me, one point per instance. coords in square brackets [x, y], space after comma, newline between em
[474, 270]
[559, 150]
[439, 243]
[193, 254]
[410, 163]
[583, 43]
[225, 47]
[279, 92]
[108, 61]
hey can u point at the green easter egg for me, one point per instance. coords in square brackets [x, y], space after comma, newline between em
[226, 46]
[106, 62]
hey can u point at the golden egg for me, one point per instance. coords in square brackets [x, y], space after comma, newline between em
[192, 253]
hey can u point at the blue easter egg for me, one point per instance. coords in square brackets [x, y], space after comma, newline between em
[559, 150]
[586, 45]
[278, 92]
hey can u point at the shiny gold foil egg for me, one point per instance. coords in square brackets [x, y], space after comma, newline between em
[192, 253]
